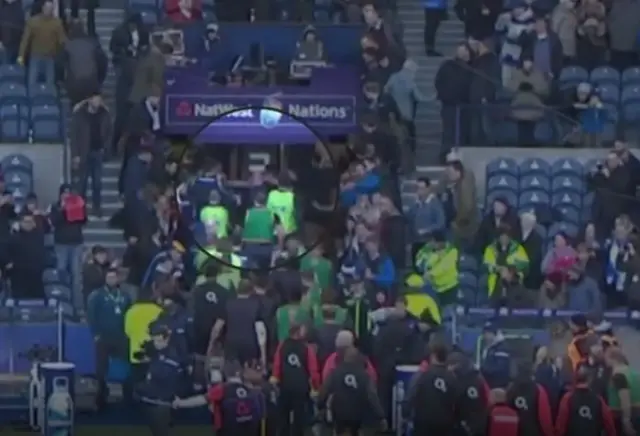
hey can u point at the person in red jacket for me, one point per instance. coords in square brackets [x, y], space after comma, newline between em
[583, 412]
[344, 341]
[531, 402]
[183, 11]
[296, 372]
[502, 419]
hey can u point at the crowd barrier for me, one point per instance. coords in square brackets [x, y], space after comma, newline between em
[73, 342]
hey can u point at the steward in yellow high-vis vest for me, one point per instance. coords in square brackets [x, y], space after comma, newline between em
[136, 326]
[504, 252]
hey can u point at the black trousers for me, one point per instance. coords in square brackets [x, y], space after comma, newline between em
[106, 350]
[432, 20]
[158, 419]
[294, 413]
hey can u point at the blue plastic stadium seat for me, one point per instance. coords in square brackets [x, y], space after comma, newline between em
[533, 166]
[13, 93]
[567, 184]
[57, 291]
[535, 182]
[502, 166]
[14, 123]
[609, 93]
[533, 199]
[47, 124]
[566, 199]
[605, 76]
[631, 77]
[42, 94]
[566, 167]
[502, 182]
[572, 76]
[12, 74]
[17, 162]
[467, 263]
[149, 17]
[19, 180]
[570, 215]
[509, 195]
[630, 94]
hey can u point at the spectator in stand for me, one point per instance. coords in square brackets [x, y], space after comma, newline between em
[452, 87]
[582, 291]
[94, 270]
[558, 260]
[543, 47]
[486, 77]
[632, 164]
[564, 23]
[501, 213]
[90, 137]
[147, 90]
[183, 11]
[27, 260]
[84, 64]
[426, 216]
[461, 187]
[588, 110]
[42, 40]
[479, 17]
[7, 215]
[402, 88]
[624, 27]
[135, 179]
[128, 40]
[531, 89]
[11, 28]
[512, 26]
[609, 181]
[382, 33]
[434, 12]
[31, 206]
[592, 34]
[68, 216]
[617, 251]
[533, 244]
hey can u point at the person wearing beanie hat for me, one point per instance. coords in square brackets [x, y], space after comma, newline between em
[532, 242]
[496, 359]
[582, 292]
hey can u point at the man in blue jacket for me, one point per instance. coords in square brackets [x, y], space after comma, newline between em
[366, 183]
[495, 361]
[378, 269]
[426, 216]
[134, 180]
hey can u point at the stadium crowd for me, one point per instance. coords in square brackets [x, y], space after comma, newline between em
[305, 299]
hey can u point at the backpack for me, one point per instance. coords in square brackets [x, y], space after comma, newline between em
[74, 209]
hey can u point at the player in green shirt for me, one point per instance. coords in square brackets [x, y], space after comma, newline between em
[282, 202]
[294, 311]
[321, 267]
[312, 293]
[258, 232]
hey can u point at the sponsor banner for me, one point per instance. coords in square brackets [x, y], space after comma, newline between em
[260, 117]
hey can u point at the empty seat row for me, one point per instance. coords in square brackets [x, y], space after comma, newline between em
[540, 167]
[573, 75]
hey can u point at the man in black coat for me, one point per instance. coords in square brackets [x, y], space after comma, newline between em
[27, 260]
[452, 86]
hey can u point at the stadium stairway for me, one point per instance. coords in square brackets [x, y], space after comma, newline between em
[97, 230]
[450, 34]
